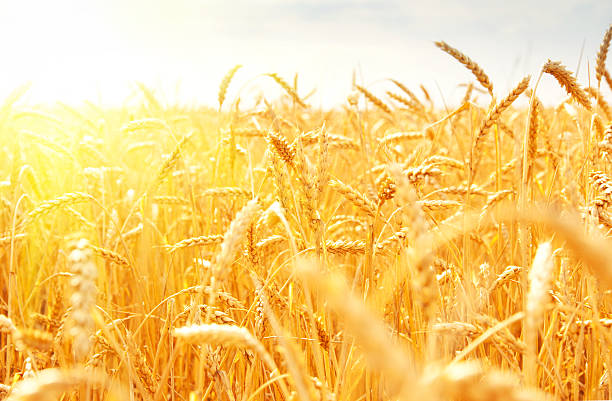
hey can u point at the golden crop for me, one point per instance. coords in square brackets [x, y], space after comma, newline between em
[386, 249]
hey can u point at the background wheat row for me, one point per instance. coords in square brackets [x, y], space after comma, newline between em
[390, 248]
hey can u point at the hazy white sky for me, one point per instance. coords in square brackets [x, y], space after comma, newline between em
[72, 50]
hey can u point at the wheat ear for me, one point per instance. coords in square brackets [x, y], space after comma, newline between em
[375, 100]
[225, 84]
[83, 298]
[568, 81]
[495, 114]
[540, 283]
[290, 91]
[469, 64]
[602, 54]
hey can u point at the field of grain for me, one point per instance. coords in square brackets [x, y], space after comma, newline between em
[390, 248]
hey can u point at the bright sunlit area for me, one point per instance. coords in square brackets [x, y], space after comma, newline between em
[97, 50]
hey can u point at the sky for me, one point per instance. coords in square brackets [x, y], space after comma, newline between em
[97, 50]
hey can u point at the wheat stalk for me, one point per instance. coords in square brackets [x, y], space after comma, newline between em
[234, 236]
[400, 136]
[146, 124]
[602, 54]
[282, 147]
[290, 91]
[496, 112]
[415, 102]
[202, 240]
[375, 100]
[49, 384]
[111, 256]
[54, 204]
[83, 298]
[540, 283]
[568, 81]
[225, 84]
[175, 156]
[355, 197]
[480, 75]
[227, 191]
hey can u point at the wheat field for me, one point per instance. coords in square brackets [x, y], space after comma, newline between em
[390, 248]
